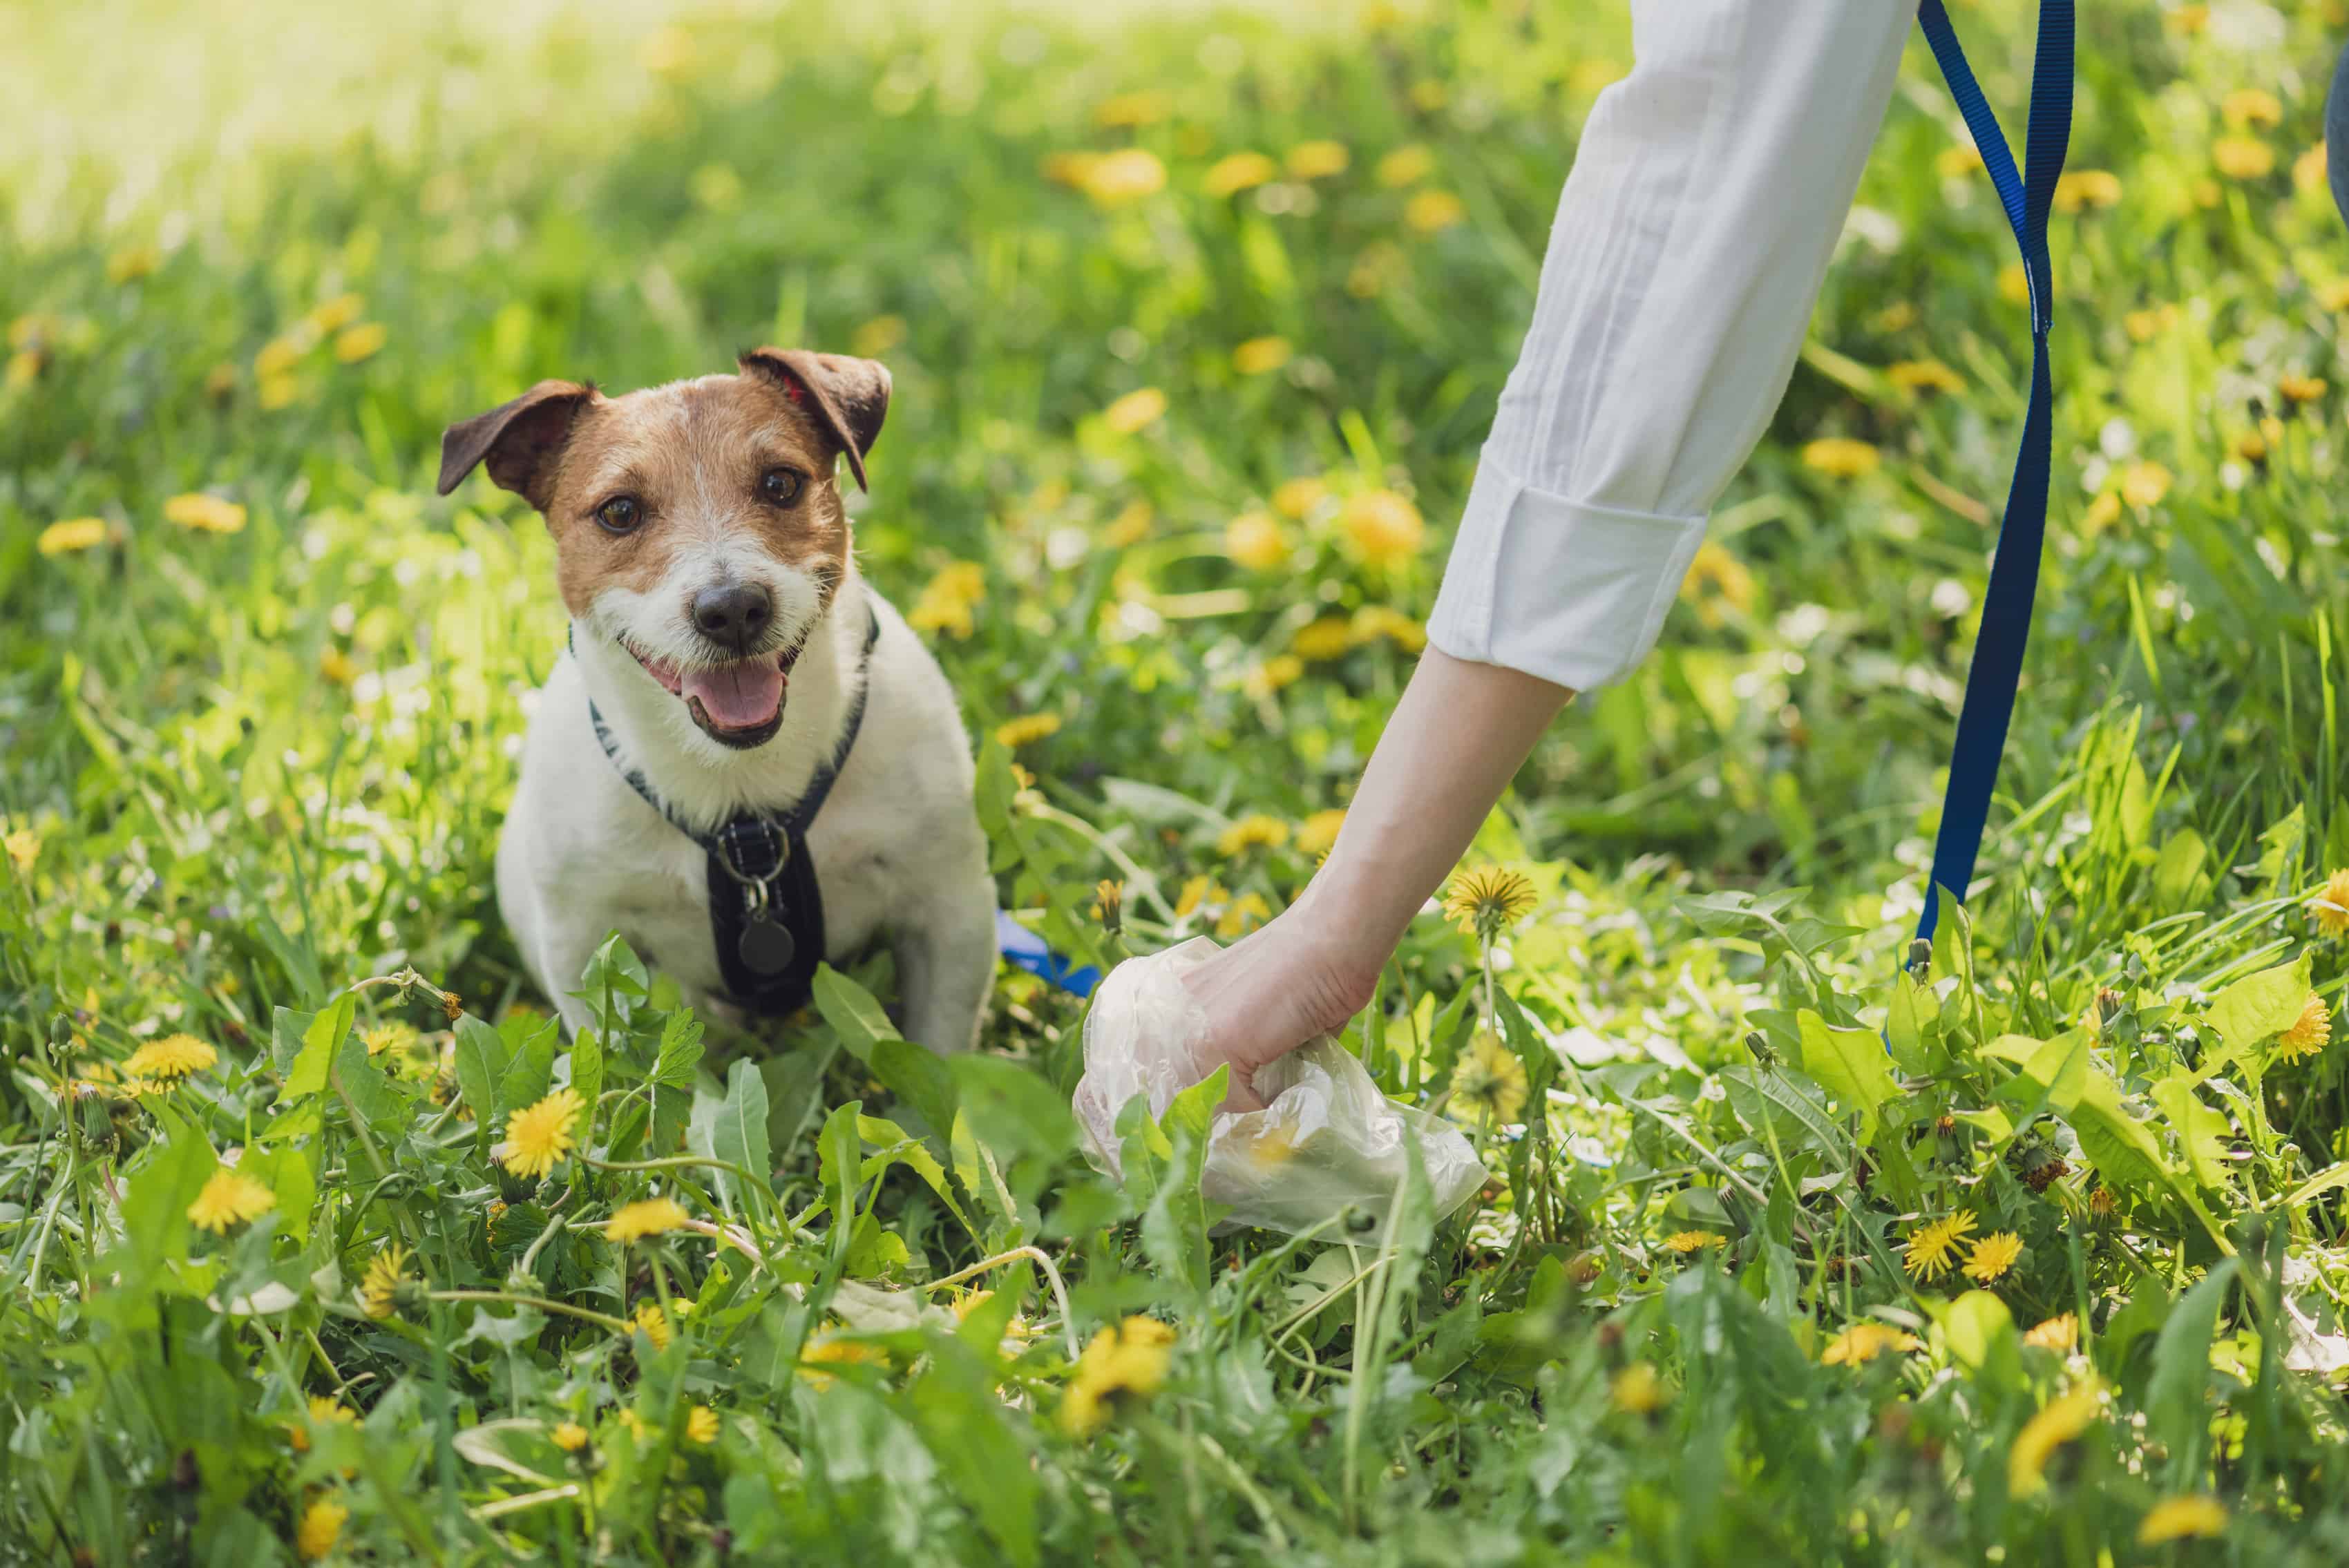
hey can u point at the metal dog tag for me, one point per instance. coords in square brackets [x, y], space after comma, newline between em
[766, 948]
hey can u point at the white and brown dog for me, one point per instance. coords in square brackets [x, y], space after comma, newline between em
[729, 671]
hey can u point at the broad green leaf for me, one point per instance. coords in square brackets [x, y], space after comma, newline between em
[1906, 1021]
[480, 1054]
[155, 1225]
[371, 1093]
[527, 1077]
[2316, 1186]
[2176, 1407]
[613, 982]
[2053, 1072]
[740, 1135]
[984, 1456]
[902, 1147]
[2178, 879]
[1752, 1091]
[1850, 1065]
[1980, 1332]
[319, 1042]
[587, 1077]
[286, 1029]
[2259, 1007]
[285, 1170]
[2201, 1131]
[673, 1071]
[2116, 1142]
[918, 1076]
[851, 1012]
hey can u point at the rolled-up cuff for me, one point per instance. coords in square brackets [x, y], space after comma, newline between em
[1571, 593]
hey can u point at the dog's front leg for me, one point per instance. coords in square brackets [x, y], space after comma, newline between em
[945, 963]
[558, 957]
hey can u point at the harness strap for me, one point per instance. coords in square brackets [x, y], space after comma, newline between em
[2014, 569]
[766, 910]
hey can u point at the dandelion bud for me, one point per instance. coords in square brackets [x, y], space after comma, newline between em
[452, 1005]
[1921, 957]
[1761, 1047]
[1109, 904]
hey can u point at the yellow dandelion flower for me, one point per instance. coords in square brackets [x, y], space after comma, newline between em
[24, 369]
[1637, 1390]
[2086, 187]
[1327, 638]
[2145, 326]
[1109, 902]
[333, 314]
[2309, 1032]
[1374, 622]
[172, 1057]
[2333, 295]
[1433, 211]
[1298, 497]
[229, 1198]
[1197, 892]
[1240, 171]
[1135, 411]
[24, 847]
[570, 1437]
[1318, 834]
[1114, 179]
[1864, 1342]
[2064, 1419]
[1687, 1242]
[393, 1038]
[2101, 1201]
[2251, 106]
[833, 1350]
[1261, 356]
[1256, 540]
[648, 1217]
[280, 355]
[539, 1136]
[1484, 902]
[1026, 730]
[1253, 832]
[2312, 170]
[655, 1324]
[1406, 165]
[1715, 567]
[2179, 1518]
[1428, 95]
[353, 344]
[1592, 74]
[947, 599]
[2207, 194]
[1924, 375]
[276, 392]
[1128, 111]
[1272, 674]
[2187, 20]
[72, 535]
[1380, 267]
[2145, 484]
[1928, 1253]
[204, 513]
[131, 262]
[323, 1412]
[2242, 157]
[1317, 159]
[1841, 457]
[2330, 909]
[2301, 388]
[701, 1425]
[2014, 283]
[1993, 1256]
[2252, 447]
[1898, 317]
[321, 1526]
[1131, 526]
[1121, 1366]
[1957, 162]
[1488, 1084]
[1384, 528]
[1242, 916]
[2060, 1334]
[379, 1290]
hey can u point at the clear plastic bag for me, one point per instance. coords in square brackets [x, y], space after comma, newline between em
[1327, 1138]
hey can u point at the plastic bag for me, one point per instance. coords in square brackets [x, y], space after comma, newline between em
[1326, 1139]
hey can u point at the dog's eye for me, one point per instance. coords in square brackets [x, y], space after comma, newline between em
[780, 486]
[620, 514]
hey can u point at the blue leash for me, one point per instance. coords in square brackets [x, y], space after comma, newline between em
[2015, 570]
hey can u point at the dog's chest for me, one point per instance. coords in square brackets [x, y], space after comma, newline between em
[652, 884]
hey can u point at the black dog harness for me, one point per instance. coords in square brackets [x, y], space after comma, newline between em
[766, 912]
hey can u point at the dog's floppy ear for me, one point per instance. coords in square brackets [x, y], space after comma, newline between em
[521, 439]
[850, 395]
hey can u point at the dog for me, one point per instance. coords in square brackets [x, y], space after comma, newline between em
[729, 671]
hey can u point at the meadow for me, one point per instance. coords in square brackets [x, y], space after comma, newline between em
[317, 1243]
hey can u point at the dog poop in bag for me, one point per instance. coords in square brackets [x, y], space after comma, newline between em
[1325, 1139]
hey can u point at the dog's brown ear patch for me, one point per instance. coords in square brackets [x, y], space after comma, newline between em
[521, 441]
[848, 397]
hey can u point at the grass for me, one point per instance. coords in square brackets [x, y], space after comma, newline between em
[254, 775]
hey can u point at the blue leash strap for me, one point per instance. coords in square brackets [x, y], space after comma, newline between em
[2014, 569]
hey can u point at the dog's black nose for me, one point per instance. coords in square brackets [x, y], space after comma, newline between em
[735, 616]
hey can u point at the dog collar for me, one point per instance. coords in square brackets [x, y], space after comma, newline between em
[766, 912]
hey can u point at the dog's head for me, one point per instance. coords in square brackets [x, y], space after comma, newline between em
[699, 525]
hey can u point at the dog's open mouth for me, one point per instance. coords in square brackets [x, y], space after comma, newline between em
[739, 704]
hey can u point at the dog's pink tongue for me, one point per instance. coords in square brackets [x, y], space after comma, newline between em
[739, 697]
